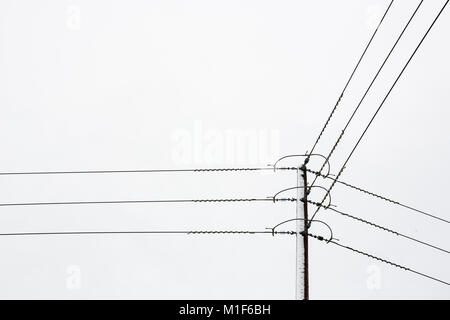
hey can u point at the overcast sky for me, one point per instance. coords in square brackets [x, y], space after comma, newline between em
[100, 85]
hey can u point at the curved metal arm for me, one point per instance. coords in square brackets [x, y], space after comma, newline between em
[274, 198]
[304, 155]
[297, 219]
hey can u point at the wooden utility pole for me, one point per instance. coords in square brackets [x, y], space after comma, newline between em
[302, 277]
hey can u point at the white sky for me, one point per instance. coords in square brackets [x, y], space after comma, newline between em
[87, 85]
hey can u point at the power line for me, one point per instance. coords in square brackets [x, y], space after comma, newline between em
[384, 100]
[207, 232]
[142, 171]
[350, 78]
[381, 259]
[72, 233]
[269, 199]
[383, 228]
[370, 86]
[379, 196]
[218, 170]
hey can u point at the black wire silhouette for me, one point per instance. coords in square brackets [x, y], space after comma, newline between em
[383, 228]
[142, 201]
[320, 238]
[380, 197]
[351, 77]
[370, 86]
[384, 100]
[140, 171]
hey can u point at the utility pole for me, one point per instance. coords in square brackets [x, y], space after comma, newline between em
[302, 277]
